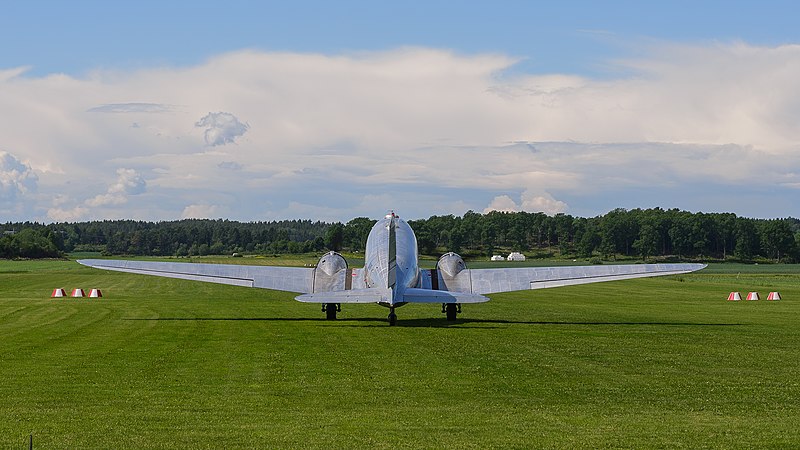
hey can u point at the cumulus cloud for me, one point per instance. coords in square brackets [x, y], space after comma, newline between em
[129, 182]
[202, 211]
[65, 208]
[425, 129]
[221, 128]
[16, 178]
[67, 214]
[502, 203]
[542, 203]
[529, 202]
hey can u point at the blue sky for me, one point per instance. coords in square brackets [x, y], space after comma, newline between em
[257, 110]
[568, 36]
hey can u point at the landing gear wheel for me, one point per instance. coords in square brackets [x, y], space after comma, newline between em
[392, 318]
[330, 310]
[452, 310]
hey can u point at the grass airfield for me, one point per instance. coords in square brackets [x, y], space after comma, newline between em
[162, 363]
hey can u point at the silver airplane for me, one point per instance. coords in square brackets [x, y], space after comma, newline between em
[391, 276]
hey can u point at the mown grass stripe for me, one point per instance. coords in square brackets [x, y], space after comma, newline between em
[158, 363]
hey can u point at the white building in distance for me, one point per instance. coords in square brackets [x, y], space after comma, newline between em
[516, 256]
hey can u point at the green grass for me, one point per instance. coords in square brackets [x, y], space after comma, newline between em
[161, 363]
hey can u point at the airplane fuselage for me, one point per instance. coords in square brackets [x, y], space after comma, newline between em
[391, 258]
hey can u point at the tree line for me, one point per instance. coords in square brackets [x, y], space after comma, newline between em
[647, 234]
[642, 233]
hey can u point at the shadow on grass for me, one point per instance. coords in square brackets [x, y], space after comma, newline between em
[487, 323]
[435, 323]
[341, 322]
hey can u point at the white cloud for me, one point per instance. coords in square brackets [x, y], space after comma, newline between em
[8, 74]
[427, 131]
[543, 202]
[67, 215]
[107, 199]
[221, 128]
[60, 199]
[129, 182]
[529, 202]
[202, 211]
[16, 178]
[502, 203]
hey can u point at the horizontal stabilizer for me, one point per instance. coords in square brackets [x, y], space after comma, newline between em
[372, 295]
[413, 295]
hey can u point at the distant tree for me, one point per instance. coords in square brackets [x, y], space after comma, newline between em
[29, 243]
[117, 243]
[777, 239]
[647, 243]
[457, 237]
[747, 239]
[589, 240]
[725, 233]
[619, 230]
[702, 231]
[356, 232]
[425, 239]
[680, 233]
[488, 237]
[334, 237]
[217, 248]
[649, 232]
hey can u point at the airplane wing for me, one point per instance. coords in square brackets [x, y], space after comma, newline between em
[489, 281]
[291, 279]
[468, 286]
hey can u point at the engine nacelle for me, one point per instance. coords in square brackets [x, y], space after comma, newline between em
[451, 275]
[331, 273]
[450, 264]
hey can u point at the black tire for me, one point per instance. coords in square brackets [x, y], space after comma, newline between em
[330, 311]
[452, 312]
[392, 319]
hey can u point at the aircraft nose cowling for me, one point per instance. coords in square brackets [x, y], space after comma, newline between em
[451, 264]
[331, 263]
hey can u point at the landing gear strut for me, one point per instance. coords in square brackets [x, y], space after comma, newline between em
[392, 317]
[330, 310]
[452, 310]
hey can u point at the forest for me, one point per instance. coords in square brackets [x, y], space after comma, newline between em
[646, 234]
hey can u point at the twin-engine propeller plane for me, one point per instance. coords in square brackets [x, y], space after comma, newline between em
[391, 276]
